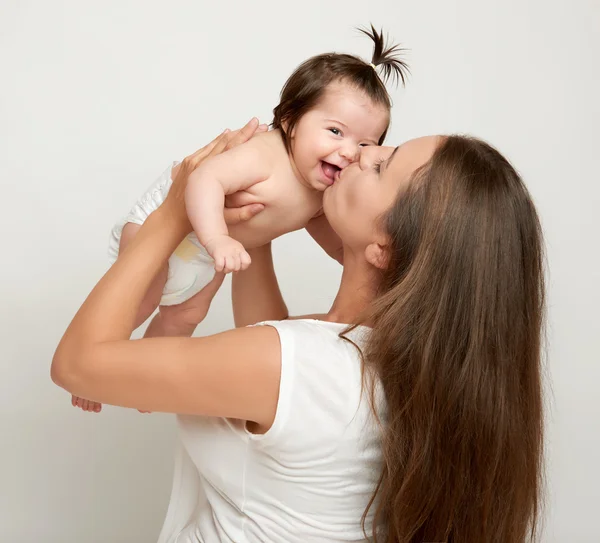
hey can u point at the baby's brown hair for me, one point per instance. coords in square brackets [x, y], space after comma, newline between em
[306, 86]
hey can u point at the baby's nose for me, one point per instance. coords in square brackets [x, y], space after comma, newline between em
[350, 153]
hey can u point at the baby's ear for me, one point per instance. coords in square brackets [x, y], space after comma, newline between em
[378, 255]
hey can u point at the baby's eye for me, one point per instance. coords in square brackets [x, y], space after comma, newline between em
[364, 144]
[335, 131]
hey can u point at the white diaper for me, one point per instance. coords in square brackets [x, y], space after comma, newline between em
[190, 266]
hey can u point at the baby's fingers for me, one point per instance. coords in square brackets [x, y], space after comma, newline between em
[219, 263]
[230, 263]
[245, 260]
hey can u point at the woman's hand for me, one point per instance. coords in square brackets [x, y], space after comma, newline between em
[175, 200]
[109, 312]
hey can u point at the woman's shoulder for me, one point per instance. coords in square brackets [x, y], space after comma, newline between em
[307, 342]
[322, 381]
[312, 325]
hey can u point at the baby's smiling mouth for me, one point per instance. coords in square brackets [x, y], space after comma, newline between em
[331, 171]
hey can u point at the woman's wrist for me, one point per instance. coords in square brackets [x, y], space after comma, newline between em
[173, 220]
[264, 251]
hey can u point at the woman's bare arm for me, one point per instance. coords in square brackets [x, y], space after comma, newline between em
[234, 374]
[256, 296]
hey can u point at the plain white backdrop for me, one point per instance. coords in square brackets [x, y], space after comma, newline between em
[96, 98]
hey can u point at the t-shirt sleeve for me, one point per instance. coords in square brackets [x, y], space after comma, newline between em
[286, 382]
[319, 390]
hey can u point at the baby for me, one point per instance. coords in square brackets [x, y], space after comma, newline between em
[330, 107]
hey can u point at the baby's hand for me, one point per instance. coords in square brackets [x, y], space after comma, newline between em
[229, 255]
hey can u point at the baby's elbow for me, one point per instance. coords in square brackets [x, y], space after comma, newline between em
[198, 177]
[196, 180]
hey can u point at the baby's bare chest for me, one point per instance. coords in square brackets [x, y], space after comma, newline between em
[288, 207]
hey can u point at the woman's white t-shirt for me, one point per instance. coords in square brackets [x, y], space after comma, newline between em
[309, 478]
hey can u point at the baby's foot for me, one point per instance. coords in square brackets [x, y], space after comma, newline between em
[229, 255]
[86, 405]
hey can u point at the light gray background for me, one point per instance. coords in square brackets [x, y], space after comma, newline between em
[96, 98]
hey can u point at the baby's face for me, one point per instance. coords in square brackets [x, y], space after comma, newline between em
[329, 137]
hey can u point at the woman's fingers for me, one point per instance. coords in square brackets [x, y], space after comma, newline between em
[230, 139]
[235, 215]
[243, 134]
[227, 140]
[208, 150]
[224, 141]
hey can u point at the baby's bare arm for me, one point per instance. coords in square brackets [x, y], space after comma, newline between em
[237, 169]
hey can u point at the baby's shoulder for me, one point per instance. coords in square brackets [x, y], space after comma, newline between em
[269, 145]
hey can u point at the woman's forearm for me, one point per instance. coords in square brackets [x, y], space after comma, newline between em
[110, 311]
[255, 292]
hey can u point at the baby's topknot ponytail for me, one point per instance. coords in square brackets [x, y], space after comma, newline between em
[386, 56]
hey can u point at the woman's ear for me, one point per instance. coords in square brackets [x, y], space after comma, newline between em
[378, 255]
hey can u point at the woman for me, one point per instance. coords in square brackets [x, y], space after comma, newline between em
[432, 431]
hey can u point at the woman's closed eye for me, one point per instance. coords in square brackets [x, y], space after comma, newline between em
[377, 165]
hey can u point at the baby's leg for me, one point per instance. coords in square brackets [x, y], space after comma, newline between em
[190, 270]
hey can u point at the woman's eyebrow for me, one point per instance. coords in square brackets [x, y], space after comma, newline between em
[387, 162]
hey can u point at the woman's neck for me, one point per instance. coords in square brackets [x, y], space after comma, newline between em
[357, 290]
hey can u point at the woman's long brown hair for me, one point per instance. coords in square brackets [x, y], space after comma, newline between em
[456, 345]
